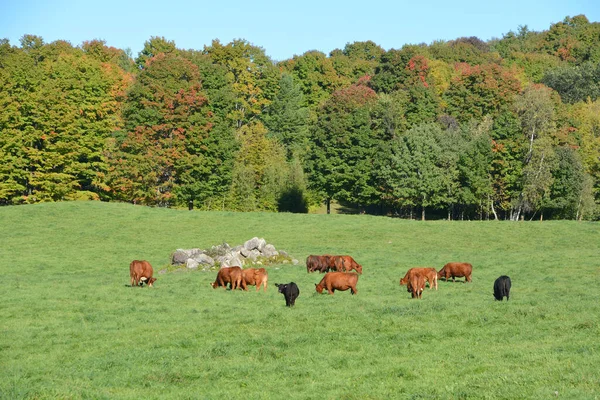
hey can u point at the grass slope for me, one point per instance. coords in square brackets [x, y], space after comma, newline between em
[71, 328]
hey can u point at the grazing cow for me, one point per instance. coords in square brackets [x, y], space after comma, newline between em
[333, 281]
[502, 288]
[140, 272]
[255, 276]
[290, 292]
[430, 275]
[313, 263]
[319, 263]
[231, 276]
[346, 264]
[416, 285]
[456, 269]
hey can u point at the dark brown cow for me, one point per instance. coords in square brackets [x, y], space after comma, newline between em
[430, 275]
[346, 264]
[255, 276]
[456, 270]
[333, 281]
[140, 271]
[322, 263]
[231, 275]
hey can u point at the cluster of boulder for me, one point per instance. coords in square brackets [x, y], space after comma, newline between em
[253, 252]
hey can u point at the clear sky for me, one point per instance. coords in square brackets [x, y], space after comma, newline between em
[283, 28]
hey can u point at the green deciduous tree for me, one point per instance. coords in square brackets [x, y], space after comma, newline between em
[252, 74]
[286, 118]
[343, 144]
[478, 91]
[164, 149]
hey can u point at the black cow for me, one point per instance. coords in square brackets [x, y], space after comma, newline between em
[290, 292]
[502, 288]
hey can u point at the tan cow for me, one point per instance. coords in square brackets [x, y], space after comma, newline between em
[347, 264]
[255, 276]
[140, 271]
[430, 275]
[333, 281]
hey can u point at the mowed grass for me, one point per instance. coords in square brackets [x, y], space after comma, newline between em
[72, 328]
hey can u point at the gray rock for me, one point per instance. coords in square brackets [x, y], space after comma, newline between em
[204, 259]
[269, 251]
[252, 243]
[192, 264]
[253, 255]
[244, 252]
[261, 244]
[236, 262]
[294, 261]
[180, 256]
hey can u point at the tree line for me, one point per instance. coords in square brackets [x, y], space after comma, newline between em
[460, 129]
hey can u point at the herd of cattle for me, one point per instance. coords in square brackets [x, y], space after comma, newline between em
[337, 277]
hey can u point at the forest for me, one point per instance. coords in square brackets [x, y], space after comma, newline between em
[504, 129]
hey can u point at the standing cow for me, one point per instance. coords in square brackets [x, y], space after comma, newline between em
[290, 292]
[333, 281]
[347, 264]
[430, 275]
[502, 288]
[255, 276]
[229, 275]
[456, 270]
[140, 271]
[415, 280]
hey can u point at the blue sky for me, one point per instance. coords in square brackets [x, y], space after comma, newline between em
[282, 28]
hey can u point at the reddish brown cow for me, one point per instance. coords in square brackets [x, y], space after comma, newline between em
[416, 285]
[415, 280]
[346, 264]
[456, 270]
[333, 281]
[255, 276]
[231, 275]
[140, 271]
[430, 275]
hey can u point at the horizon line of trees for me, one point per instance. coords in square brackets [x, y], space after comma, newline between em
[461, 129]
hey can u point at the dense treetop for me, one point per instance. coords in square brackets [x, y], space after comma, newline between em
[506, 129]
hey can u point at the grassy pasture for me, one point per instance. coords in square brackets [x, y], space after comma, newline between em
[72, 329]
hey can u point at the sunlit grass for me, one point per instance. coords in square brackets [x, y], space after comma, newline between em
[72, 328]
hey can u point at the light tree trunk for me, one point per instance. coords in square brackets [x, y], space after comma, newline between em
[493, 210]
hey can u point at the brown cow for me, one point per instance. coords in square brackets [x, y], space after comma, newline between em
[333, 281]
[140, 271]
[415, 280]
[346, 264]
[322, 263]
[456, 269]
[231, 275]
[255, 276]
[430, 275]
[416, 285]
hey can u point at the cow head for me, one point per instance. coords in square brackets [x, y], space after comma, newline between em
[151, 281]
[319, 288]
[403, 281]
[359, 268]
[281, 287]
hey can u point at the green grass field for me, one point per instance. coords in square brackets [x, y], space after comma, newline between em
[72, 328]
